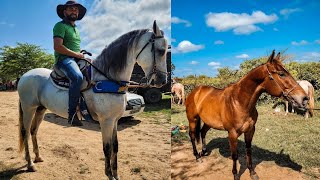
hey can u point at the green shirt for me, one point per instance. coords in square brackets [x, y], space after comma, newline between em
[70, 35]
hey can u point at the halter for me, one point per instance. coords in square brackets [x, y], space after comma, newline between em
[151, 41]
[285, 94]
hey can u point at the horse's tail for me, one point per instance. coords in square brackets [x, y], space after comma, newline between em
[198, 127]
[21, 129]
[311, 100]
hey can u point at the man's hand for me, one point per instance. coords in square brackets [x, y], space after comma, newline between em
[80, 56]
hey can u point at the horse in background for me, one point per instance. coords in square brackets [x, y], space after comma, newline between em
[309, 89]
[147, 47]
[178, 90]
[234, 108]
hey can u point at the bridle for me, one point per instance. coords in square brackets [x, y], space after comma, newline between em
[152, 41]
[284, 92]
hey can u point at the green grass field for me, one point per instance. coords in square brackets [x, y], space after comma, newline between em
[290, 141]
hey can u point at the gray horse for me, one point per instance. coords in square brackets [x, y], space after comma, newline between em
[37, 93]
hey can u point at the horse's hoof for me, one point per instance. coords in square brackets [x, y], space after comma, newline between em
[111, 178]
[236, 177]
[204, 153]
[199, 160]
[38, 159]
[32, 169]
[254, 176]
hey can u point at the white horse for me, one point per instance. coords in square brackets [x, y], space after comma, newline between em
[37, 93]
[309, 89]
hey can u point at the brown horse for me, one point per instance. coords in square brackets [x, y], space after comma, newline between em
[233, 108]
[178, 90]
[309, 89]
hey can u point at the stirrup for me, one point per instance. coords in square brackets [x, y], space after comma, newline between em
[74, 121]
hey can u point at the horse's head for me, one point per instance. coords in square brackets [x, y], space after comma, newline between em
[280, 83]
[152, 56]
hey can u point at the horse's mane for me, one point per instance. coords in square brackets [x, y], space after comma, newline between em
[115, 54]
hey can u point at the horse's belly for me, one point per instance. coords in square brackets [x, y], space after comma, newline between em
[212, 121]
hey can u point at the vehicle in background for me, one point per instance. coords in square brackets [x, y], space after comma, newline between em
[135, 105]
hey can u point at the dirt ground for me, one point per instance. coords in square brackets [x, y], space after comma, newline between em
[76, 153]
[216, 166]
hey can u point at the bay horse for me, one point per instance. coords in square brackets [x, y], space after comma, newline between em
[178, 90]
[234, 108]
[309, 89]
[147, 47]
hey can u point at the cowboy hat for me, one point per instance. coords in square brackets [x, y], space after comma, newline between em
[62, 7]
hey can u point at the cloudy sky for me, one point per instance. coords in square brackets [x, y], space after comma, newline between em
[32, 21]
[207, 36]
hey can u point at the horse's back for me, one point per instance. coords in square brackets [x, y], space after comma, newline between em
[306, 85]
[200, 95]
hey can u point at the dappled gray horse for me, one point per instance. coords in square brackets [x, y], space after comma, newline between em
[37, 93]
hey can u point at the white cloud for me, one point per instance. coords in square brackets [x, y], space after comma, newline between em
[243, 56]
[194, 62]
[219, 42]
[240, 23]
[214, 63]
[106, 20]
[302, 42]
[186, 46]
[176, 20]
[317, 41]
[246, 29]
[275, 29]
[310, 56]
[286, 12]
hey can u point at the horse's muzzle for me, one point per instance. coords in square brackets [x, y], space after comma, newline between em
[159, 80]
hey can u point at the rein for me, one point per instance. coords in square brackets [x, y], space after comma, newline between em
[285, 94]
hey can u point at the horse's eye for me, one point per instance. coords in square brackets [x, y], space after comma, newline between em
[282, 74]
[161, 52]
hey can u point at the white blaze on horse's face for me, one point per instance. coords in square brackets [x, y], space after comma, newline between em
[153, 57]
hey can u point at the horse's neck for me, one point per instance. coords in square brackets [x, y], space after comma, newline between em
[124, 75]
[250, 89]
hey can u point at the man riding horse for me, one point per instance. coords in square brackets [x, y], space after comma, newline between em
[66, 38]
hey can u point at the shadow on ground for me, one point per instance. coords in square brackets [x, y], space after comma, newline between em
[8, 172]
[216, 164]
[123, 123]
[258, 155]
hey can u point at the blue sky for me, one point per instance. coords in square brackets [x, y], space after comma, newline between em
[32, 21]
[207, 35]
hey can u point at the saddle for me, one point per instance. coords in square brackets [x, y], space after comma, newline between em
[60, 80]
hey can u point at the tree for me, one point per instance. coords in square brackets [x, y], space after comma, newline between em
[15, 61]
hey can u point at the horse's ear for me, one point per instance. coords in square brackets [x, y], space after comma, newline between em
[156, 29]
[277, 57]
[270, 59]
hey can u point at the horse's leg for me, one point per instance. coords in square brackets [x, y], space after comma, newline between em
[287, 107]
[114, 154]
[34, 130]
[194, 128]
[233, 142]
[25, 131]
[248, 139]
[204, 131]
[107, 127]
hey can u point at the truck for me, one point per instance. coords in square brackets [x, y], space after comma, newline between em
[151, 94]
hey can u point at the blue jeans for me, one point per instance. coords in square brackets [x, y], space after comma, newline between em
[70, 68]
